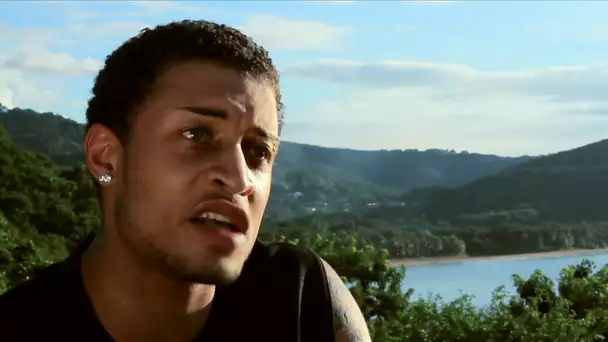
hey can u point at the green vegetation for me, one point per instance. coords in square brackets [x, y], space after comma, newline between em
[535, 312]
[45, 209]
[502, 233]
[305, 178]
[568, 186]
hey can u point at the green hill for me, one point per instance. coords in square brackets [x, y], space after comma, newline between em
[403, 169]
[306, 178]
[45, 210]
[566, 186]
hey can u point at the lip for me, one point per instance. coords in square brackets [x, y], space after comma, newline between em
[228, 209]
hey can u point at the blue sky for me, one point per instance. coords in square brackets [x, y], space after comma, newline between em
[510, 78]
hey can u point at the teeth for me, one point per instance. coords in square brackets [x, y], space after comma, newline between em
[217, 217]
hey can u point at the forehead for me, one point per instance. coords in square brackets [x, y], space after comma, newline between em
[205, 84]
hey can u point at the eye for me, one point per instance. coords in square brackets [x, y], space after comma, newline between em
[256, 153]
[197, 134]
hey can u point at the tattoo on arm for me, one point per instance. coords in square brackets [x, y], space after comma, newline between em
[350, 325]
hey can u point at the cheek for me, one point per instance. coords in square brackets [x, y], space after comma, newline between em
[163, 168]
[142, 191]
[151, 180]
[261, 182]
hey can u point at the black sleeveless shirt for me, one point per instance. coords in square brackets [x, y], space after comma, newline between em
[281, 295]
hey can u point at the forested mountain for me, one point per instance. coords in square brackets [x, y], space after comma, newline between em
[45, 210]
[566, 186]
[536, 204]
[306, 178]
[435, 184]
[403, 170]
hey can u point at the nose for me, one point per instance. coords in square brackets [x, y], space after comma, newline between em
[232, 173]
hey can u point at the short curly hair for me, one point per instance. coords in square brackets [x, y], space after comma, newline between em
[131, 71]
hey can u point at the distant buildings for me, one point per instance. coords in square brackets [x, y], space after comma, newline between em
[344, 205]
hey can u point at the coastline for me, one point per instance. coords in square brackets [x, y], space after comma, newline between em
[447, 260]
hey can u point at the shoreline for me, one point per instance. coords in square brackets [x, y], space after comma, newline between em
[454, 259]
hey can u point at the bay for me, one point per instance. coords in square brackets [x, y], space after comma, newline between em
[481, 277]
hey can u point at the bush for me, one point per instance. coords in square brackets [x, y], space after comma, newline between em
[578, 311]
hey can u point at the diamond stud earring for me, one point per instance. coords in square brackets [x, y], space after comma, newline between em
[105, 178]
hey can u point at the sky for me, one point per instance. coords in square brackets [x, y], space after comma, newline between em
[508, 78]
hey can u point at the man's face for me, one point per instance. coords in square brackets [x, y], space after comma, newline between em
[200, 151]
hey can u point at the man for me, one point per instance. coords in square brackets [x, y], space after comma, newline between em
[182, 132]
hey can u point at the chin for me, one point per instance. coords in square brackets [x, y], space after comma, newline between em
[216, 278]
[223, 271]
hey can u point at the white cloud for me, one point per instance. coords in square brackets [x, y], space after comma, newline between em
[593, 32]
[276, 33]
[84, 33]
[17, 89]
[406, 104]
[35, 53]
[389, 104]
[44, 61]
[33, 68]
[575, 83]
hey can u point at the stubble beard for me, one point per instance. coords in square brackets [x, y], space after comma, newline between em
[170, 264]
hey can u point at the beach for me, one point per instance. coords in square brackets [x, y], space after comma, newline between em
[446, 260]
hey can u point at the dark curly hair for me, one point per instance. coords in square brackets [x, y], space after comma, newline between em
[131, 71]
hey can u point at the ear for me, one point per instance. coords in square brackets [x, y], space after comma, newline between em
[102, 151]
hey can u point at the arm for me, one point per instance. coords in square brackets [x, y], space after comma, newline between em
[350, 325]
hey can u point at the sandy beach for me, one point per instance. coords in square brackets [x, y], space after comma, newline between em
[445, 260]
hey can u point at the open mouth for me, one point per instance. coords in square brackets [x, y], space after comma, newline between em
[216, 220]
[221, 215]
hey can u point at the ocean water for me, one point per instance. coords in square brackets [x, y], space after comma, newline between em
[481, 277]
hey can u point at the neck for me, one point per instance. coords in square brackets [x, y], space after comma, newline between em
[137, 303]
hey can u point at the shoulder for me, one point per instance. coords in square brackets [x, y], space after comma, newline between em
[349, 322]
[30, 289]
[299, 280]
[323, 291]
[33, 298]
[280, 249]
[284, 255]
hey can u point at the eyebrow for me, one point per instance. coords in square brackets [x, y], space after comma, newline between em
[264, 134]
[222, 114]
[206, 111]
